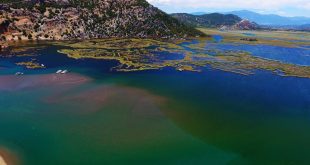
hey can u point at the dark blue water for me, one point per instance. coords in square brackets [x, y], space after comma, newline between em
[298, 56]
[217, 38]
[257, 119]
[306, 46]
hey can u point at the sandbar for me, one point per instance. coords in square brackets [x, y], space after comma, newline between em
[7, 157]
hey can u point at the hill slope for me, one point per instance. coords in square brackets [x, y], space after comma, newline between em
[83, 19]
[207, 20]
[216, 20]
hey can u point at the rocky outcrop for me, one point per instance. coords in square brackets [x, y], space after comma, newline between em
[84, 19]
[245, 25]
[242, 25]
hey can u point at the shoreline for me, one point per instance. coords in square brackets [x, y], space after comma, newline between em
[2, 161]
[7, 157]
[12, 42]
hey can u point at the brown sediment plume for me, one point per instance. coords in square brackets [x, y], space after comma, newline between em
[7, 157]
[12, 82]
[141, 102]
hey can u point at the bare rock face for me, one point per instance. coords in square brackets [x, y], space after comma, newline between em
[84, 19]
[246, 25]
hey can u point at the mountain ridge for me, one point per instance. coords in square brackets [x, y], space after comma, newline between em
[270, 19]
[264, 18]
[207, 20]
[216, 20]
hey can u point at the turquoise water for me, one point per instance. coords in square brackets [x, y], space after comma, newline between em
[152, 117]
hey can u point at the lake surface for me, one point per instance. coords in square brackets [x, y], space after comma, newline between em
[94, 115]
[299, 55]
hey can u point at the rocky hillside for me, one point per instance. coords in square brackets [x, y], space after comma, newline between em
[216, 20]
[84, 19]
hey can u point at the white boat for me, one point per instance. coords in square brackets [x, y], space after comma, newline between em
[64, 72]
[19, 73]
[59, 71]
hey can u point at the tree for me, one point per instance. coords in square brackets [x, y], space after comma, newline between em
[30, 37]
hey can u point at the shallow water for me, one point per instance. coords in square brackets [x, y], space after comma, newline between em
[217, 38]
[151, 117]
[249, 34]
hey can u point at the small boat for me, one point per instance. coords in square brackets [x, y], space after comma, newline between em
[180, 70]
[42, 65]
[59, 71]
[19, 73]
[64, 72]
